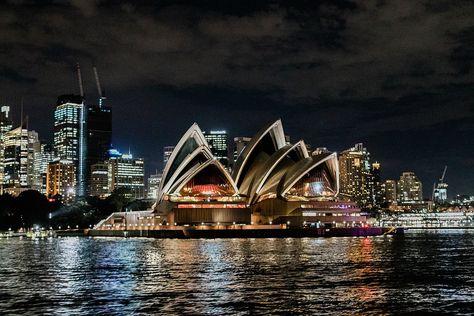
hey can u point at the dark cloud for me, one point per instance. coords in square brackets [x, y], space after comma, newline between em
[337, 72]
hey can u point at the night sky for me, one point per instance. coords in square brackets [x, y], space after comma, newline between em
[395, 75]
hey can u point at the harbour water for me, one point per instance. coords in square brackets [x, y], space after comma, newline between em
[422, 271]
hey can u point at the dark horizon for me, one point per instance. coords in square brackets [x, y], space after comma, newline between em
[395, 76]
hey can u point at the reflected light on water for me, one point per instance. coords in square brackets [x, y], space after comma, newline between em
[375, 276]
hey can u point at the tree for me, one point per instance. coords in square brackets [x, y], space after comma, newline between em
[32, 207]
[7, 215]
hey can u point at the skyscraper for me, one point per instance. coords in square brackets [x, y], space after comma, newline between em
[440, 189]
[375, 185]
[35, 181]
[99, 178]
[47, 155]
[21, 151]
[409, 189]
[15, 167]
[390, 191]
[354, 168]
[217, 141]
[153, 185]
[239, 145]
[99, 137]
[6, 125]
[126, 172]
[69, 134]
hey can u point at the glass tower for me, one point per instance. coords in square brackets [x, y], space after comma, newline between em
[217, 141]
[354, 172]
[6, 125]
[69, 135]
[99, 137]
[127, 172]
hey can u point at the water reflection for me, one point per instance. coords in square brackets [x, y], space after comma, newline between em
[419, 272]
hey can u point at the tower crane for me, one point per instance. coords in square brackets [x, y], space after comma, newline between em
[102, 98]
[440, 189]
[79, 78]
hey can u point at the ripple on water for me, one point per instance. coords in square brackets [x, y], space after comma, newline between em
[421, 272]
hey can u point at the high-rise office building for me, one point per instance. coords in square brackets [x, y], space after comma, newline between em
[47, 156]
[153, 185]
[167, 151]
[390, 191]
[409, 189]
[99, 137]
[6, 125]
[440, 193]
[375, 185]
[61, 180]
[354, 169]
[69, 135]
[20, 154]
[217, 141]
[126, 172]
[239, 145]
[440, 189]
[99, 185]
[35, 181]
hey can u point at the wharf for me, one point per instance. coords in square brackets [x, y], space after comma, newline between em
[250, 231]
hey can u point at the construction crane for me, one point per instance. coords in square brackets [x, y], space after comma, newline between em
[440, 189]
[79, 78]
[102, 98]
[441, 180]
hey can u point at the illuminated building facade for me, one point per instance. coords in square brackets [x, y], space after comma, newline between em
[239, 145]
[6, 125]
[69, 135]
[440, 193]
[46, 156]
[99, 180]
[61, 180]
[196, 188]
[390, 191]
[99, 137]
[375, 185]
[35, 179]
[273, 181]
[128, 173]
[354, 167]
[409, 189]
[21, 153]
[153, 185]
[217, 141]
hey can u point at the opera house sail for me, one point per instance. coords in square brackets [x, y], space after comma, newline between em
[196, 188]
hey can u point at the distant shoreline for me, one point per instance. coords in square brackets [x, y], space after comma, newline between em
[439, 228]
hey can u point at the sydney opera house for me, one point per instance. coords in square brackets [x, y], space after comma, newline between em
[272, 182]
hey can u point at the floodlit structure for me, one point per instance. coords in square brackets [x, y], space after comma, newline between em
[273, 181]
[196, 188]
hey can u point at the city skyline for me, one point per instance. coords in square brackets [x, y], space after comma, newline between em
[426, 191]
[412, 110]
